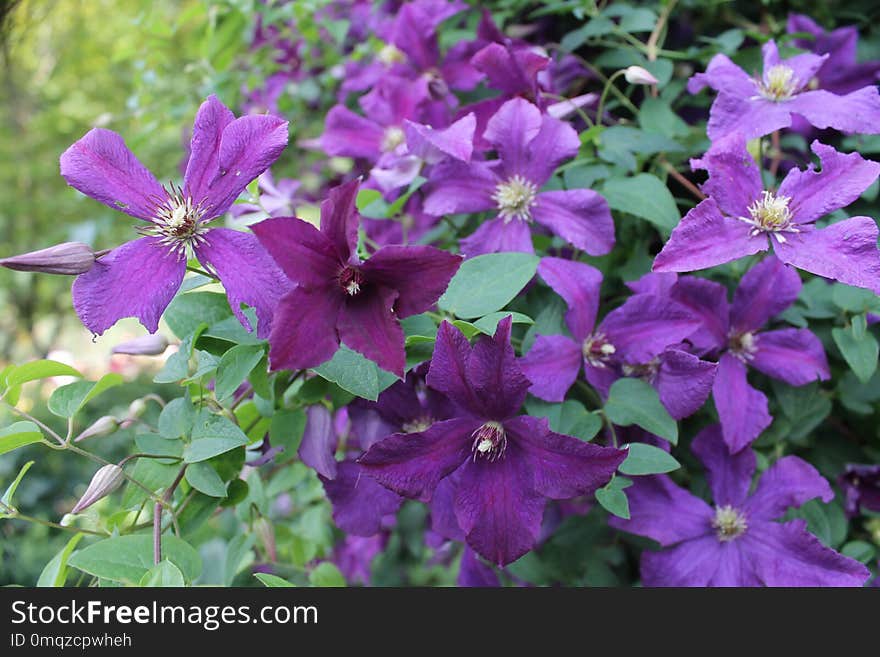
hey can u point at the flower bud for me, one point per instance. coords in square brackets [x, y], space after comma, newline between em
[69, 258]
[266, 534]
[639, 75]
[104, 426]
[136, 409]
[146, 345]
[105, 481]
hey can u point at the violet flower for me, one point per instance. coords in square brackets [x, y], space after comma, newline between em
[141, 277]
[276, 199]
[639, 332]
[506, 465]
[861, 487]
[757, 106]
[530, 146]
[336, 296]
[741, 218]
[738, 541]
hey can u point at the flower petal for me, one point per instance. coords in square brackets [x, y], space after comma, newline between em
[304, 253]
[204, 147]
[101, 166]
[579, 216]
[742, 410]
[692, 563]
[734, 179]
[766, 290]
[578, 283]
[510, 70]
[513, 127]
[751, 116]
[683, 382]
[495, 376]
[708, 301]
[339, 219]
[460, 187]
[552, 365]
[359, 502]
[475, 573]
[498, 236]
[555, 143]
[368, 325]
[723, 75]
[790, 482]
[645, 325]
[137, 279]
[304, 329]
[729, 475]
[318, 446]
[795, 356]
[443, 520]
[857, 111]
[347, 134]
[448, 370]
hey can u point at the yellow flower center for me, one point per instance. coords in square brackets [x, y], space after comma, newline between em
[778, 83]
[729, 523]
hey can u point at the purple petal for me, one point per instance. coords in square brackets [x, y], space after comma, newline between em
[841, 180]
[510, 131]
[552, 365]
[790, 482]
[339, 219]
[684, 382]
[555, 143]
[204, 148]
[512, 71]
[766, 290]
[305, 254]
[734, 180]
[412, 464]
[708, 301]
[579, 216]
[448, 370]
[729, 475]
[318, 447]
[247, 272]
[304, 329]
[394, 99]
[368, 325]
[137, 279]
[706, 238]
[563, 467]
[645, 325]
[100, 166]
[432, 144]
[751, 116]
[359, 503]
[804, 65]
[858, 111]
[742, 410]
[498, 236]
[458, 187]
[494, 374]
[723, 75]
[475, 573]
[845, 251]
[795, 356]
[578, 283]
[443, 520]
[350, 135]
[692, 563]
[420, 274]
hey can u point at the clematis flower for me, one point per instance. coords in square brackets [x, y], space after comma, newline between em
[738, 541]
[506, 464]
[336, 296]
[276, 199]
[643, 332]
[530, 145]
[757, 106]
[139, 278]
[861, 487]
[741, 218]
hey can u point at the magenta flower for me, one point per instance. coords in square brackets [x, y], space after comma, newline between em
[640, 338]
[757, 106]
[336, 296]
[741, 218]
[530, 146]
[739, 541]
[506, 465]
[139, 278]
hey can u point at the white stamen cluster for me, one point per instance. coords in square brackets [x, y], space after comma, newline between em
[515, 198]
[178, 222]
[743, 345]
[771, 214]
[392, 138]
[490, 441]
[779, 83]
[729, 523]
[390, 54]
[597, 350]
[418, 425]
[645, 371]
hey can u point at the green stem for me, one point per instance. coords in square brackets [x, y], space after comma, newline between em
[55, 525]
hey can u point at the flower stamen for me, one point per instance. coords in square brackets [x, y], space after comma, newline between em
[178, 222]
[351, 280]
[779, 83]
[515, 198]
[490, 441]
[729, 523]
[743, 345]
[597, 350]
[771, 214]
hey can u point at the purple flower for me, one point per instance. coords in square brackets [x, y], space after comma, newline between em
[530, 145]
[354, 556]
[276, 199]
[793, 355]
[861, 486]
[474, 573]
[757, 106]
[738, 542]
[506, 465]
[634, 336]
[141, 277]
[741, 218]
[336, 296]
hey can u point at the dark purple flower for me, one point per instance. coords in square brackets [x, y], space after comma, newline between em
[140, 278]
[339, 297]
[475, 573]
[741, 218]
[354, 556]
[506, 465]
[739, 541]
[861, 486]
[757, 106]
[640, 334]
[530, 146]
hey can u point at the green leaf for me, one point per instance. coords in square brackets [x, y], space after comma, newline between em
[212, 435]
[204, 478]
[489, 323]
[287, 430]
[487, 283]
[855, 300]
[55, 572]
[632, 401]
[39, 369]
[18, 435]
[613, 499]
[177, 418]
[643, 459]
[126, 559]
[644, 196]
[353, 372]
[860, 551]
[569, 418]
[272, 580]
[68, 400]
[326, 574]
[860, 353]
[234, 367]
[6, 500]
[187, 311]
[238, 555]
[163, 574]
[658, 117]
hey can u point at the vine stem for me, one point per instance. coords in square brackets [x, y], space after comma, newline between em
[684, 182]
[157, 515]
[609, 84]
[28, 416]
[54, 525]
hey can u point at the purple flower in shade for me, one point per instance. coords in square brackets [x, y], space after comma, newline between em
[741, 218]
[336, 296]
[474, 573]
[861, 486]
[642, 333]
[739, 541]
[276, 199]
[505, 465]
[531, 145]
[757, 106]
[140, 278]
[354, 556]
[733, 331]
[841, 73]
